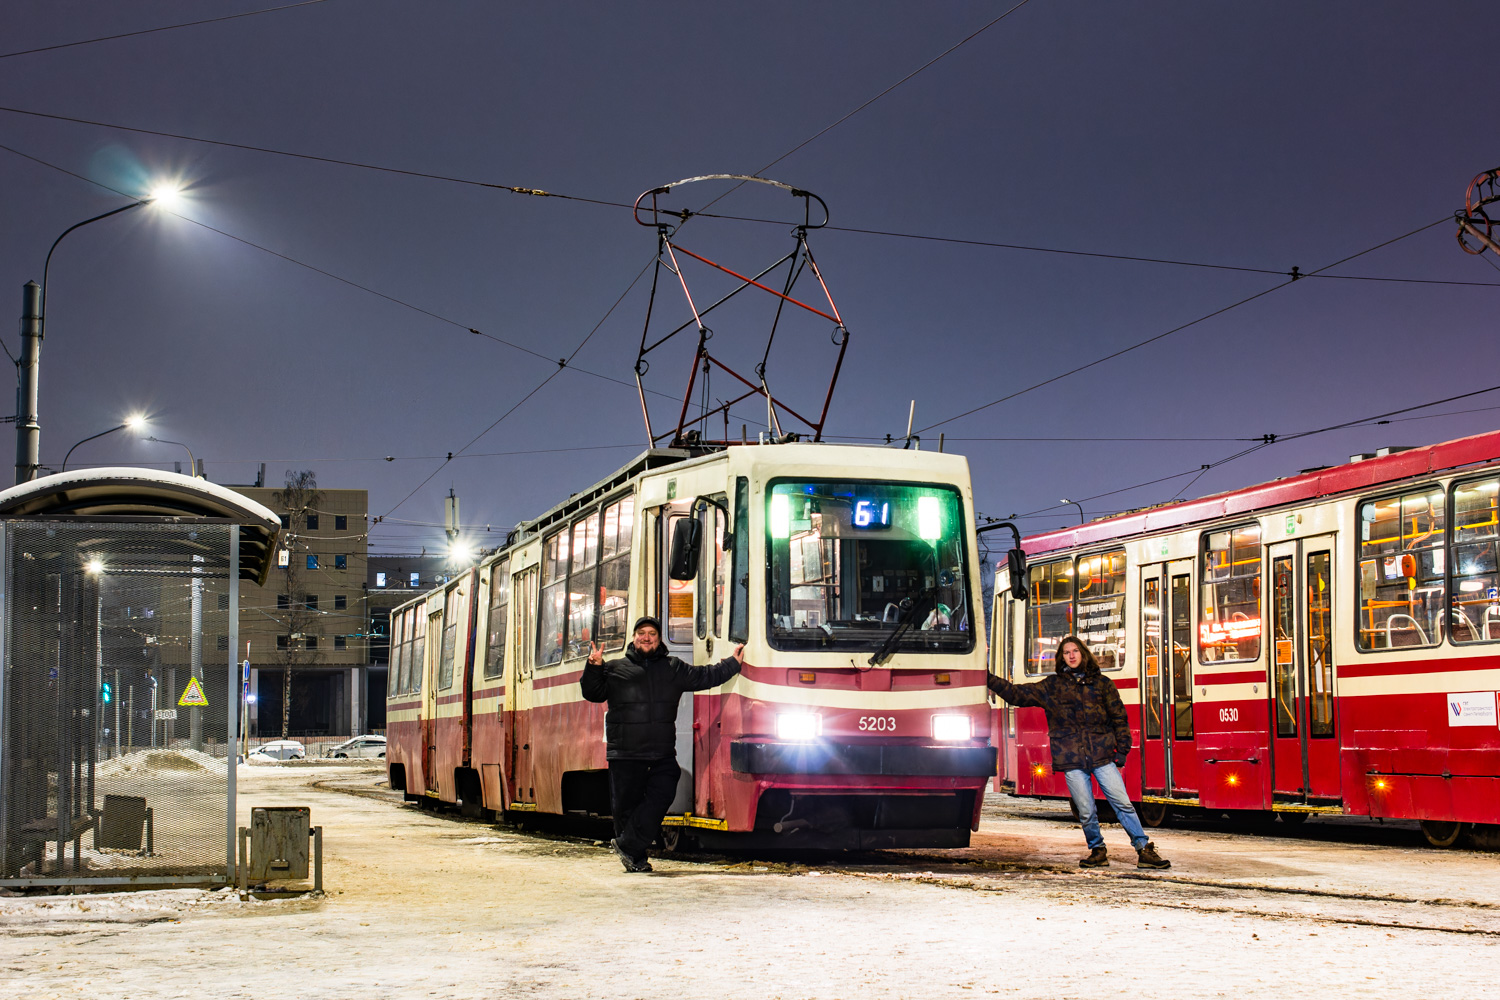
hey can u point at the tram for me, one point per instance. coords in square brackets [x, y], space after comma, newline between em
[1325, 643]
[860, 719]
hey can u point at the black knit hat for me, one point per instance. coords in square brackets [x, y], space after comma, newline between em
[646, 620]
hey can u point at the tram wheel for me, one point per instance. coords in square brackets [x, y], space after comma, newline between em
[1292, 818]
[673, 840]
[1153, 814]
[1442, 833]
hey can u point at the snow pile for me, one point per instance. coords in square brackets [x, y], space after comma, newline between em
[143, 762]
[144, 907]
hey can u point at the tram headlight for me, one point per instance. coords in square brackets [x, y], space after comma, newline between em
[798, 726]
[952, 727]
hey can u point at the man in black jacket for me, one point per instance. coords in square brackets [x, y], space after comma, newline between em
[643, 688]
[1090, 736]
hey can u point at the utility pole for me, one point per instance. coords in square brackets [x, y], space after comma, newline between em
[195, 663]
[28, 430]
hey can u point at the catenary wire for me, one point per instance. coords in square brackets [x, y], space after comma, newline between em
[151, 31]
[1176, 329]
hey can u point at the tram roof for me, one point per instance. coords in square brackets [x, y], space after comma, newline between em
[1348, 478]
[125, 493]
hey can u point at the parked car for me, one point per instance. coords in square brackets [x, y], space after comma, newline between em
[359, 746]
[279, 750]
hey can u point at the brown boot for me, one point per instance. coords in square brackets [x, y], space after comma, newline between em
[1098, 858]
[1146, 857]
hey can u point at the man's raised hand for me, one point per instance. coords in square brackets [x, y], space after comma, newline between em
[596, 654]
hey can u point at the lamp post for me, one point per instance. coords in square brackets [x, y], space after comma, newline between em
[192, 463]
[133, 423]
[1081, 518]
[33, 329]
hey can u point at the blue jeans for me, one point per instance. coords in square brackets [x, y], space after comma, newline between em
[1113, 787]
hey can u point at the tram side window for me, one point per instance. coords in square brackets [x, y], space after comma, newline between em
[398, 654]
[416, 659]
[711, 585]
[1049, 614]
[614, 572]
[1230, 627]
[455, 611]
[494, 652]
[554, 597]
[1401, 585]
[1475, 613]
[1101, 606]
[524, 594]
[582, 579]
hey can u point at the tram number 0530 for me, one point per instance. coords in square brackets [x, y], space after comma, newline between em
[1229, 715]
[877, 723]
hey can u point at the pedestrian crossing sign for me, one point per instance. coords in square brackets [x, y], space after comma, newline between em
[193, 697]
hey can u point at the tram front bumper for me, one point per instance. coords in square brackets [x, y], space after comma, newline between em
[771, 757]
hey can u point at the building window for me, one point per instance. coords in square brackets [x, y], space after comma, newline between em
[286, 520]
[1401, 574]
[380, 579]
[340, 562]
[340, 522]
[1229, 627]
[223, 602]
[312, 642]
[312, 562]
[223, 642]
[416, 579]
[281, 641]
[340, 602]
[283, 602]
[310, 601]
[312, 522]
[339, 642]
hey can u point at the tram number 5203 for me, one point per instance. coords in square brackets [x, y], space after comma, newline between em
[877, 723]
[1229, 715]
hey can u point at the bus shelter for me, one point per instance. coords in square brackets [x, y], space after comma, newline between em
[119, 695]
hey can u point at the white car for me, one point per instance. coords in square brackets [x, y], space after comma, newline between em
[279, 750]
[359, 746]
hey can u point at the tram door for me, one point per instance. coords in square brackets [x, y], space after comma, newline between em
[1304, 745]
[1169, 758]
[676, 610]
[430, 699]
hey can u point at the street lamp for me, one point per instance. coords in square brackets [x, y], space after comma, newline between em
[1075, 503]
[34, 329]
[134, 423]
[192, 464]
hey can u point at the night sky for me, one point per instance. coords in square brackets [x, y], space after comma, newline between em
[1262, 136]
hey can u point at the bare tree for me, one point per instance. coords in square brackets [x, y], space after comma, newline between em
[298, 496]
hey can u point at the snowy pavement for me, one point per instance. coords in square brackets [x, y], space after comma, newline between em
[424, 905]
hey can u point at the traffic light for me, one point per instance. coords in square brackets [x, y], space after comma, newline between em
[107, 692]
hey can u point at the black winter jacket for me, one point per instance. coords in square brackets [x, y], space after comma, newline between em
[1086, 721]
[643, 692]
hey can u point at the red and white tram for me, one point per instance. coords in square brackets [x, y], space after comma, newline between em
[1328, 642]
[860, 718]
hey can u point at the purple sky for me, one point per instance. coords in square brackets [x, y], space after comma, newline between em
[1260, 135]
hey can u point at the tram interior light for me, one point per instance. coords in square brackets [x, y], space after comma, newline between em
[952, 727]
[929, 519]
[781, 516]
[798, 726]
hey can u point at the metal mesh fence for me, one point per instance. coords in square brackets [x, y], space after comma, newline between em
[113, 713]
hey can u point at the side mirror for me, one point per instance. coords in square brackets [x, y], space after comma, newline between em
[687, 544]
[1015, 561]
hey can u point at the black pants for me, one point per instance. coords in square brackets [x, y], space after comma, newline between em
[640, 793]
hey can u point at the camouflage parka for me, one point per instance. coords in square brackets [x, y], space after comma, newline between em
[1086, 721]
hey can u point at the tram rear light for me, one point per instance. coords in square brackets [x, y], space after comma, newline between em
[952, 727]
[942, 679]
[798, 726]
[1380, 784]
[1233, 779]
[1038, 770]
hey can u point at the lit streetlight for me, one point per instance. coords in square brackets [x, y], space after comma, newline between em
[134, 423]
[1075, 503]
[34, 329]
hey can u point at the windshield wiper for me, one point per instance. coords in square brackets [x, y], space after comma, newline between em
[903, 625]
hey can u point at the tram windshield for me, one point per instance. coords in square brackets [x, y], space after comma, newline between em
[853, 561]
